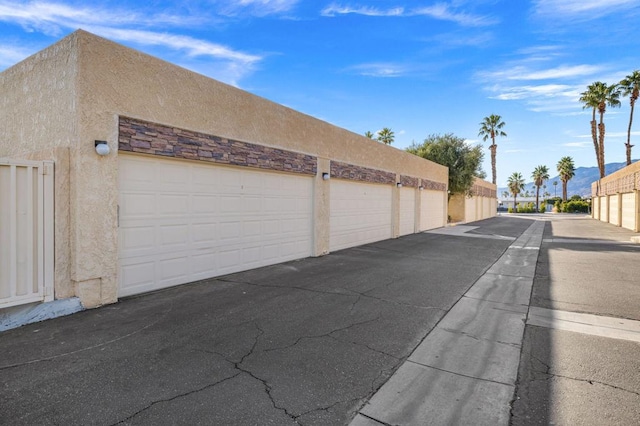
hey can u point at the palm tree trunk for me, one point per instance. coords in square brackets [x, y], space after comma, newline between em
[594, 136]
[493, 148]
[515, 204]
[537, 195]
[628, 144]
[601, 145]
[564, 190]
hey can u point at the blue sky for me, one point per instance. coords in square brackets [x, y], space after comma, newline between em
[418, 67]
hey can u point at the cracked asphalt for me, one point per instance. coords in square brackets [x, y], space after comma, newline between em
[302, 343]
[310, 342]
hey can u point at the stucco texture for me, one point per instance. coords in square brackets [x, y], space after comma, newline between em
[38, 121]
[482, 190]
[74, 92]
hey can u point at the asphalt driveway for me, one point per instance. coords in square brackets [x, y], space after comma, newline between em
[305, 342]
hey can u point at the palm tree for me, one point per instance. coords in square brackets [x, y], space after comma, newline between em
[490, 128]
[567, 170]
[555, 189]
[589, 100]
[598, 96]
[630, 86]
[539, 175]
[386, 136]
[368, 134]
[515, 183]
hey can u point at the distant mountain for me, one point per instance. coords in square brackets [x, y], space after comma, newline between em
[580, 184]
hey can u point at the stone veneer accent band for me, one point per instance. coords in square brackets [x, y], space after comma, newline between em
[156, 139]
[409, 181]
[364, 174]
[434, 186]
[481, 191]
[621, 185]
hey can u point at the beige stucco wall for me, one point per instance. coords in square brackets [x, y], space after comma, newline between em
[457, 207]
[39, 122]
[114, 80]
[65, 97]
[481, 189]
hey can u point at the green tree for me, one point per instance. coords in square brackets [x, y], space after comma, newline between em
[515, 183]
[598, 96]
[630, 86]
[490, 128]
[368, 134]
[540, 175]
[386, 136]
[567, 171]
[464, 161]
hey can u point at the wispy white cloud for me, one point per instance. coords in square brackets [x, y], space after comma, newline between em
[54, 17]
[10, 55]
[593, 8]
[439, 11]
[135, 27]
[578, 144]
[444, 12]
[380, 70]
[552, 89]
[335, 10]
[520, 72]
[191, 46]
[257, 7]
[535, 91]
[457, 40]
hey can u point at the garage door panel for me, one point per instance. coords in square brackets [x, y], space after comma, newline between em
[172, 204]
[407, 211]
[431, 209]
[360, 213]
[629, 210]
[219, 220]
[204, 204]
[137, 205]
[139, 275]
[175, 237]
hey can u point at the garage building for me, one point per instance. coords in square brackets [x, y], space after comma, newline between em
[201, 179]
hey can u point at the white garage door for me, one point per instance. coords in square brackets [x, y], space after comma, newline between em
[432, 210]
[486, 207]
[596, 207]
[182, 221]
[470, 209]
[360, 213]
[613, 209]
[407, 211]
[604, 209]
[629, 210]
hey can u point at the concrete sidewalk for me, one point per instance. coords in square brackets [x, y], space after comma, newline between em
[580, 360]
[465, 371]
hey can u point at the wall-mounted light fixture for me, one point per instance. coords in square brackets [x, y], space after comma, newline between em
[325, 176]
[102, 148]
[399, 185]
[421, 187]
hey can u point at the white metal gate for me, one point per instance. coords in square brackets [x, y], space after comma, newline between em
[26, 232]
